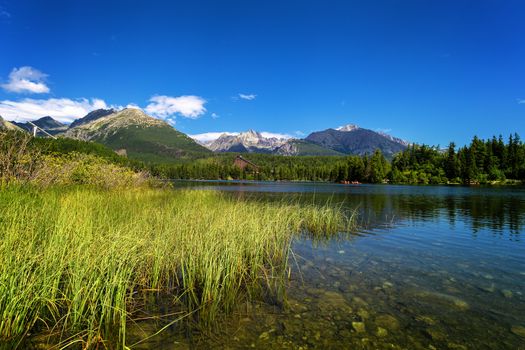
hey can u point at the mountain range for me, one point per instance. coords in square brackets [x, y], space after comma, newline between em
[140, 136]
[47, 123]
[347, 139]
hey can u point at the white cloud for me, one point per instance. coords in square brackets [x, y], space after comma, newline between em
[62, 109]
[215, 115]
[299, 133]
[275, 135]
[26, 79]
[168, 107]
[132, 105]
[211, 136]
[248, 97]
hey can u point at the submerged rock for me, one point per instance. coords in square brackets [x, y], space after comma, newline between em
[506, 293]
[518, 330]
[387, 321]
[359, 327]
[440, 298]
[359, 301]
[264, 336]
[426, 319]
[335, 301]
[363, 314]
[436, 334]
[381, 332]
[387, 285]
[488, 289]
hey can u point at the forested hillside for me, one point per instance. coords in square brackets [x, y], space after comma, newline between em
[483, 161]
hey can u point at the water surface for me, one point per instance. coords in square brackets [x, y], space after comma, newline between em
[433, 267]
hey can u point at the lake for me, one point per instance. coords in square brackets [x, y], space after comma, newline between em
[430, 267]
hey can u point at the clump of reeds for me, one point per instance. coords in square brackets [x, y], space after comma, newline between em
[72, 261]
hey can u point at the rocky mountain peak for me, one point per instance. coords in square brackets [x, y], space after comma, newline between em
[93, 115]
[48, 122]
[247, 141]
[347, 127]
[112, 123]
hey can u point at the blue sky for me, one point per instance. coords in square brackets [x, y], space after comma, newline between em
[426, 71]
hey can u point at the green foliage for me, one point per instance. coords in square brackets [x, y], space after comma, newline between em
[490, 161]
[280, 168]
[483, 161]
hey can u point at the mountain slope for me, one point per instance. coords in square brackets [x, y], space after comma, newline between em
[91, 116]
[47, 123]
[5, 125]
[249, 141]
[141, 136]
[304, 148]
[354, 140]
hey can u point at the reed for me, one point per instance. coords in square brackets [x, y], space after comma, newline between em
[72, 261]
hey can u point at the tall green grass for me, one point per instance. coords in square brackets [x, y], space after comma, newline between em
[72, 261]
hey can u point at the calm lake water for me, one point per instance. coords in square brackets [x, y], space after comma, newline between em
[431, 267]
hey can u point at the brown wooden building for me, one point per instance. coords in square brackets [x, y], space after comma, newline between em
[243, 163]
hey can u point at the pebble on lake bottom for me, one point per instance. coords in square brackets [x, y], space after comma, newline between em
[387, 321]
[518, 330]
[359, 327]
[381, 332]
[506, 293]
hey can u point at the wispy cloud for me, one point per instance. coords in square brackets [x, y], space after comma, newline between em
[26, 80]
[384, 131]
[275, 135]
[247, 97]
[299, 133]
[211, 136]
[129, 105]
[62, 109]
[521, 101]
[215, 116]
[169, 107]
[4, 14]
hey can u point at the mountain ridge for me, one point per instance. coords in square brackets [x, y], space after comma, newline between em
[139, 135]
[249, 141]
[47, 123]
[355, 140]
[348, 139]
[129, 129]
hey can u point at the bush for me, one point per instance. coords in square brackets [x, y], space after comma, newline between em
[23, 161]
[82, 169]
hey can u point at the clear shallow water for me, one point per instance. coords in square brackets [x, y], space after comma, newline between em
[430, 268]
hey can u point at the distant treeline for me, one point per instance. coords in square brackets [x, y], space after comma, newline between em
[483, 161]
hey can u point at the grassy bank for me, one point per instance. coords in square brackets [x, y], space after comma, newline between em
[73, 260]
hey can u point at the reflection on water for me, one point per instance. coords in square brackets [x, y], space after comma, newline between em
[430, 268]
